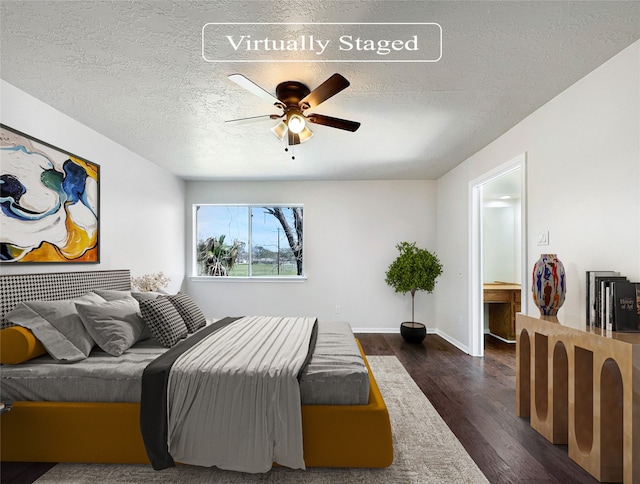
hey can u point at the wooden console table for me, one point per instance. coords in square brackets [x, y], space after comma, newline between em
[504, 303]
[581, 387]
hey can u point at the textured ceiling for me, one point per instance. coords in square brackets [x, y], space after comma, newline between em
[133, 71]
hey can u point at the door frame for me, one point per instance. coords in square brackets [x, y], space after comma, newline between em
[476, 303]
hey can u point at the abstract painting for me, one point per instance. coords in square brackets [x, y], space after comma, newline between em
[49, 201]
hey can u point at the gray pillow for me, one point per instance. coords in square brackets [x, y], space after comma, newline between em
[112, 294]
[114, 325]
[145, 295]
[57, 325]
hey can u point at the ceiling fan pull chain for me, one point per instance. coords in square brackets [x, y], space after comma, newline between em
[286, 147]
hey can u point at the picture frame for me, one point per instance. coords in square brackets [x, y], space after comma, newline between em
[49, 203]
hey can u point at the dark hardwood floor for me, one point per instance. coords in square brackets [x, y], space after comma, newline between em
[23, 472]
[474, 396]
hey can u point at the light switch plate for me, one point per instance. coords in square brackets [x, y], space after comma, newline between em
[543, 238]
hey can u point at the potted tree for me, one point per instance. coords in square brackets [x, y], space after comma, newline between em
[414, 270]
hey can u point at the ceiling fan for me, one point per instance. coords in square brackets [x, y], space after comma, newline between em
[295, 99]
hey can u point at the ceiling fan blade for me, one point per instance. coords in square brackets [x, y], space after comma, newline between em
[252, 87]
[324, 91]
[251, 119]
[334, 122]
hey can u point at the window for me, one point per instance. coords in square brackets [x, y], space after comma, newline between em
[249, 240]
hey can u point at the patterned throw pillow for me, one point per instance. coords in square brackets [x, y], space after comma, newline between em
[189, 310]
[163, 320]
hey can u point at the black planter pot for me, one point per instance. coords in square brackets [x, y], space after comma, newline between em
[413, 332]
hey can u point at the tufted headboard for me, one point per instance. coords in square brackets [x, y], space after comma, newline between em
[56, 285]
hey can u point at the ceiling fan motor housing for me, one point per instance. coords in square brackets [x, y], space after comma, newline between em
[291, 92]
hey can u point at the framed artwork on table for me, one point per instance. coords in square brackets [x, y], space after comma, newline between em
[49, 203]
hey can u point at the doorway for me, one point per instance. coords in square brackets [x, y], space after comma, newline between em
[498, 241]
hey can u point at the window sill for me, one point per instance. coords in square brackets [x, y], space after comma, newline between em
[219, 279]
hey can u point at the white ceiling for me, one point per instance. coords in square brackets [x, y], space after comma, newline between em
[133, 71]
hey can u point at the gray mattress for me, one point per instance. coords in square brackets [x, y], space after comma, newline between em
[336, 374]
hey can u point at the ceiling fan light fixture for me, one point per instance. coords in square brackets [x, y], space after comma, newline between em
[305, 134]
[280, 130]
[296, 123]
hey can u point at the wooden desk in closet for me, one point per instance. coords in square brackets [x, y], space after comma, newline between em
[504, 302]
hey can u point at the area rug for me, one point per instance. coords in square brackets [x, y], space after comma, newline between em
[426, 451]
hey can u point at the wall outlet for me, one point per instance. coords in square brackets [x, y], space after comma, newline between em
[337, 309]
[543, 238]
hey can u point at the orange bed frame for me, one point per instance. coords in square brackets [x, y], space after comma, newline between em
[334, 435]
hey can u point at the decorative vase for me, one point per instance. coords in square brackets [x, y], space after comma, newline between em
[549, 284]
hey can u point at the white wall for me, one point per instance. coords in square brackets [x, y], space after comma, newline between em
[583, 185]
[351, 230]
[142, 205]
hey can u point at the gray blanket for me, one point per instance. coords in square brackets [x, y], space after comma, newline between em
[233, 399]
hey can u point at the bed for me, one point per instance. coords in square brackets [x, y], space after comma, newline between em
[109, 431]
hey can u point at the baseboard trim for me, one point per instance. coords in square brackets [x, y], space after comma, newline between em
[376, 330]
[387, 330]
[453, 341]
[512, 341]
